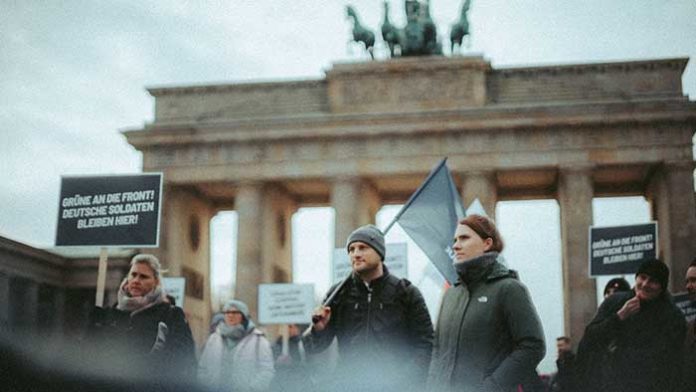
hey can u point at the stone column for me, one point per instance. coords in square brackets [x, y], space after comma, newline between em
[59, 306]
[481, 185]
[248, 204]
[276, 252]
[575, 191]
[29, 306]
[671, 193]
[355, 203]
[185, 251]
[5, 301]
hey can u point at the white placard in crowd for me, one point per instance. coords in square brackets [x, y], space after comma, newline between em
[176, 287]
[286, 303]
[396, 261]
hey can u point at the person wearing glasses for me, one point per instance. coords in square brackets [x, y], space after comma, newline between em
[237, 356]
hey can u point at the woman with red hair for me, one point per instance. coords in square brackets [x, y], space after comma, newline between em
[488, 335]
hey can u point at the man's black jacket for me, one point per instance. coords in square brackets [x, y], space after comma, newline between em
[382, 330]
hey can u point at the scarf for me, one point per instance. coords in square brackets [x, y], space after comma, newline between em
[476, 268]
[231, 336]
[134, 305]
[234, 332]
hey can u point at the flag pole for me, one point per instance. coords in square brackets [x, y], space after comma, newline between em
[330, 298]
[415, 194]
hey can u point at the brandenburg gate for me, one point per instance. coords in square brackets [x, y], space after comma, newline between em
[368, 133]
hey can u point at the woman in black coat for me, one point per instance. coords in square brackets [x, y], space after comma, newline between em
[143, 335]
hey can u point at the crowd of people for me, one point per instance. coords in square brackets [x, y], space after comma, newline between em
[488, 336]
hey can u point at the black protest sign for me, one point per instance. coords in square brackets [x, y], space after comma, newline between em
[620, 250]
[119, 211]
[686, 304]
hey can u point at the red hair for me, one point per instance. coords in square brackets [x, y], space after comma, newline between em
[485, 228]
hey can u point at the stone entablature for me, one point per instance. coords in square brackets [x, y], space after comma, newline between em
[60, 268]
[416, 85]
[633, 80]
[504, 139]
[407, 85]
[197, 104]
[24, 261]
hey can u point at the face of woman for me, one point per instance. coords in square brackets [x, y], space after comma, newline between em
[233, 317]
[468, 244]
[141, 280]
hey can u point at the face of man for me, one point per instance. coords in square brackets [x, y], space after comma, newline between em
[468, 244]
[691, 282]
[293, 330]
[363, 258]
[233, 317]
[141, 280]
[562, 346]
[647, 288]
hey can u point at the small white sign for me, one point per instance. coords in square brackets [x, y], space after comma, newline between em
[175, 286]
[286, 303]
[396, 261]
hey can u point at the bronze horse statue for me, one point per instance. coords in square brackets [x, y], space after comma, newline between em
[390, 34]
[360, 33]
[461, 28]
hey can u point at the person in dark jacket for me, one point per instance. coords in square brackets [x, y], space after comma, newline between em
[292, 369]
[488, 336]
[689, 365]
[143, 336]
[564, 379]
[381, 323]
[615, 285]
[634, 342]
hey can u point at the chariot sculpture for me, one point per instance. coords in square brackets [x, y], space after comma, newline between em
[417, 38]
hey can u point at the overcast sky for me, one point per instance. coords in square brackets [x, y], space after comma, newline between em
[73, 73]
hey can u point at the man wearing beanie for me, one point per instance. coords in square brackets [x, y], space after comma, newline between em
[634, 342]
[381, 323]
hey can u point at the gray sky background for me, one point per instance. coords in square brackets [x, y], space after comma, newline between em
[73, 75]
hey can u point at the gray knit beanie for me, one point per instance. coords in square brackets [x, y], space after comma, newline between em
[370, 235]
[236, 305]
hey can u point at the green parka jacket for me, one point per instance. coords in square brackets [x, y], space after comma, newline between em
[488, 335]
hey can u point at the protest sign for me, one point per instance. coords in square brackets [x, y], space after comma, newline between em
[176, 287]
[684, 302]
[286, 303]
[396, 260]
[620, 250]
[121, 211]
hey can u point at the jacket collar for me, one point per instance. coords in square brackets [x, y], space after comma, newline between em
[496, 271]
[378, 281]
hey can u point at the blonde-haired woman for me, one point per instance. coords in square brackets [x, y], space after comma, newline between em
[143, 335]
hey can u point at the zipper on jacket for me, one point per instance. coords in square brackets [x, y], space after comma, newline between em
[369, 300]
